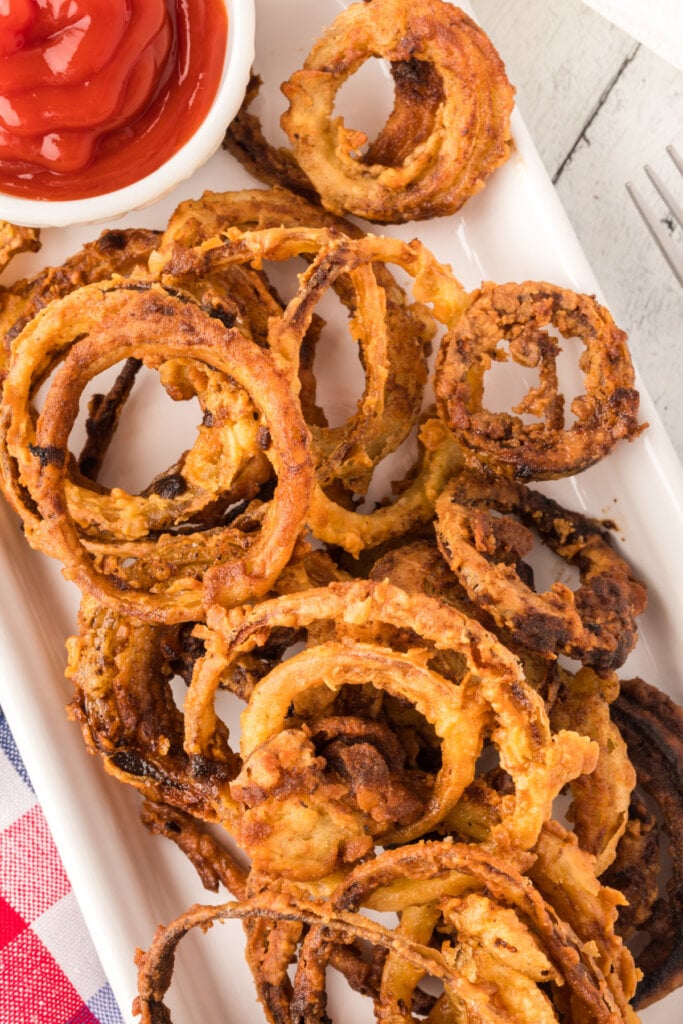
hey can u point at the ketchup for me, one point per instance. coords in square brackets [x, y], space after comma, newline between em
[96, 94]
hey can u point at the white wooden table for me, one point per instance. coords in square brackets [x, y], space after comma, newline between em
[599, 105]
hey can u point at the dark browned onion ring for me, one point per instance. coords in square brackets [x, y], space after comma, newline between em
[595, 624]
[652, 725]
[121, 669]
[519, 313]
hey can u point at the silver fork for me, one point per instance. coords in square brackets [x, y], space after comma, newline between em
[672, 253]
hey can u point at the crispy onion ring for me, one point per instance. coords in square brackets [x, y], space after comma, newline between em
[394, 387]
[594, 624]
[490, 693]
[273, 165]
[519, 314]
[121, 668]
[348, 452]
[143, 316]
[449, 128]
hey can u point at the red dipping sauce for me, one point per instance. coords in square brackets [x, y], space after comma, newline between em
[97, 94]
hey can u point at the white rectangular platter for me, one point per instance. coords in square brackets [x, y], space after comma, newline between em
[127, 881]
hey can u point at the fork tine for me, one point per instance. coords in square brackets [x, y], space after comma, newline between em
[676, 157]
[669, 199]
[671, 252]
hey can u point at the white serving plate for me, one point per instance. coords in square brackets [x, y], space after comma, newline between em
[126, 881]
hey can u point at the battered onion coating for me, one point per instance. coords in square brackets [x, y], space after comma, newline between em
[594, 624]
[449, 128]
[159, 328]
[520, 314]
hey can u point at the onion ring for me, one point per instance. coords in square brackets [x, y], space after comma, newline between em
[348, 452]
[121, 670]
[492, 691]
[449, 866]
[518, 313]
[449, 128]
[463, 870]
[395, 384]
[595, 623]
[143, 332]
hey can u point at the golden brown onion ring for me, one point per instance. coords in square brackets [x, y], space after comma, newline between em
[350, 451]
[15, 239]
[520, 314]
[398, 382]
[143, 316]
[490, 689]
[449, 128]
[484, 897]
[594, 624]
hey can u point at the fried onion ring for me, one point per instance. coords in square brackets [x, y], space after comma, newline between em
[348, 452]
[490, 694]
[519, 314]
[15, 239]
[594, 624]
[121, 669]
[600, 801]
[142, 316]
[449, 128]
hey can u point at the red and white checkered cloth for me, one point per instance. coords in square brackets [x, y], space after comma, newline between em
[49, 971]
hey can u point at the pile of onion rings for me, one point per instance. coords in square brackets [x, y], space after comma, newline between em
[412, 709]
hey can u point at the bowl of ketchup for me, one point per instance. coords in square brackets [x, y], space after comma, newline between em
[106, 105]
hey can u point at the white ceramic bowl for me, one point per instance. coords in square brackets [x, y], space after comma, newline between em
[196, 151]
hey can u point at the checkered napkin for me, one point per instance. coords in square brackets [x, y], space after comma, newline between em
[49, 971]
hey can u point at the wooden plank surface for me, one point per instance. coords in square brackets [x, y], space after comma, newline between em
[599, 105]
